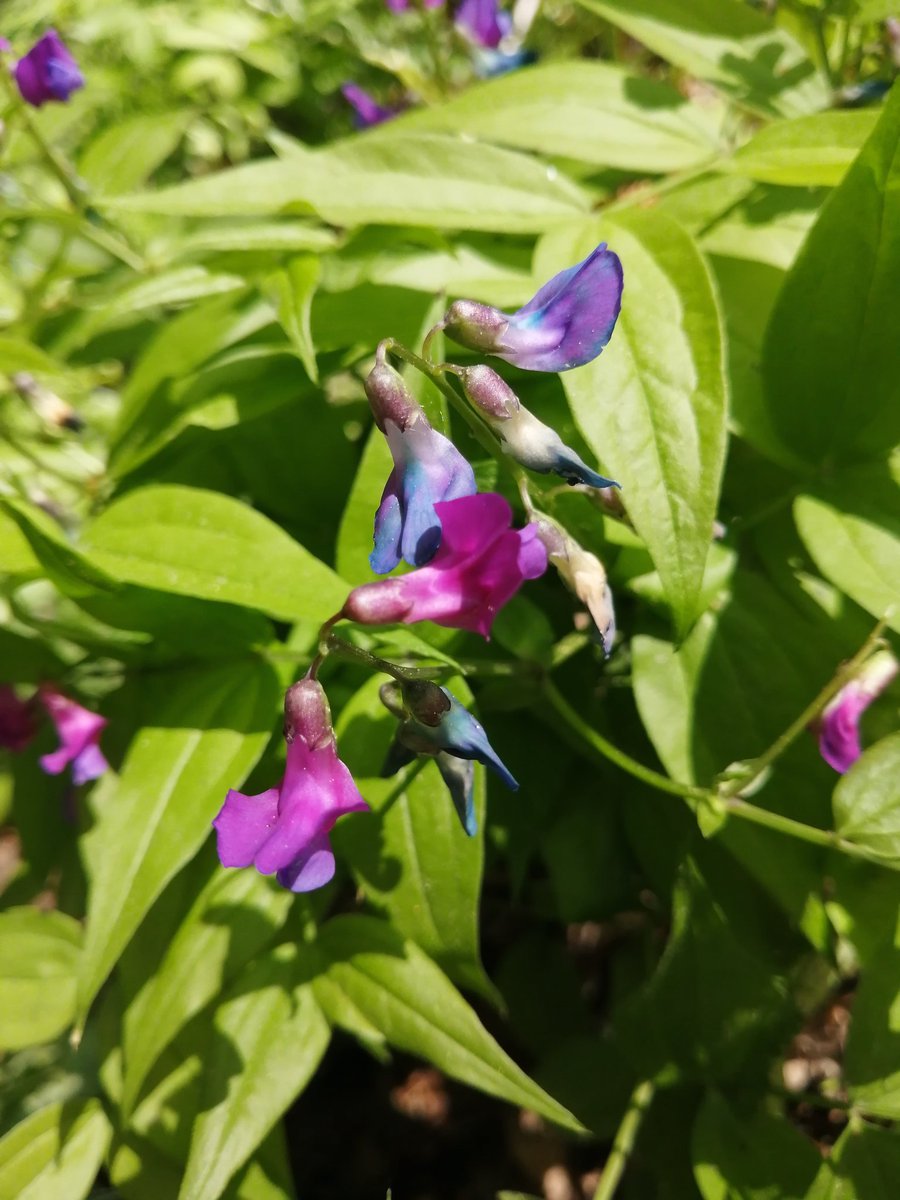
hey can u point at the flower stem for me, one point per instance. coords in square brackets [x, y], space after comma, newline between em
[626, 1136]
[826, 838]
[336, 645]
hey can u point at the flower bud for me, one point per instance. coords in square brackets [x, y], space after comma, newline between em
[389, 397]
[477, 326]
[584, 574]
[487, 391]
[426, 702]
[307, 714]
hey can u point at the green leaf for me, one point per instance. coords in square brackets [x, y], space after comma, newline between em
[234, 916]
[805, 152]
[254, 237]
[864, 1165]
[872, 1058]
[851, 527]
[414, 180]
[268, 1038]
[293, 289]
[39, 952]
[209, 730]
[867, 801]
[595, 112]
[407, 996]
[71, 571]
[728, 43]
[412, 857]
[762, 1157]
[55, 1153]
[16, 555]
[199, 543]
[830, 363]
[126, 154]
[652, 407]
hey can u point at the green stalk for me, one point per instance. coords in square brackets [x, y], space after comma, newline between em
[626, 1136]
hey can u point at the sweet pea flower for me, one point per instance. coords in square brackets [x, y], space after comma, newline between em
[79, 732]
[427, 469]
[286, 828]
[483, 22]
[480, 565]
[522, 436]
[48, 71]
[16, 720]
[838, 727]
[565, 325]
[584, 574]
[367, 109]
[433, 722]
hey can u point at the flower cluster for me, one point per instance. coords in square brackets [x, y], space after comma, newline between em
[468, 561]
[77, 728]
[48, 72]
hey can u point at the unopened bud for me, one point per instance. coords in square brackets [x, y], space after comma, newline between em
[489, 392]
[477, 326]
[389, 397]
[51, 408]
[585, 575]
[427, 703]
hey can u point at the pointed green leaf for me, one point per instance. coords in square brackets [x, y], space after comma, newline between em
[206, 736]
[39, 956]
[805, 152]
[867, 801]
[293, 290]
[55, 1153]
[863, 1165]
[71, 571]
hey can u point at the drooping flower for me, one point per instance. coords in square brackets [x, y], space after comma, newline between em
[79, 732]
[427, 469]
[523, 437]
[285, 829]
[480, 565]
[838, 726]
[48, 71]
[565, 325]
[433, 722]
[367, 109]
[483, 22]
[17, 726]
[584, 574]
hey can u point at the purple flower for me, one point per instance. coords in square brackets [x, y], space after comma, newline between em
[427, 469]
[368, 111]
[48, 71]
[565, 325]
[480, 565]
[482, 22]
[79, 732]
[838, 727]
[403, 5]
[16, 720]
[286, 828]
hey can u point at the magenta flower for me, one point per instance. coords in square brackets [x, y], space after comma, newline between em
[16, 720]
[79, 732]
[286, 829]
[482, 22]
[403, 5]
[565, 325]
[480, 565]
[367, 109]
[838, 727]
[48, 71]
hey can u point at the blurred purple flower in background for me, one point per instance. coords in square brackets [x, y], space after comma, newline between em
[403, 5]
[79, 732]
[367, 109]
[480, 565]
[48, 71]
[17, 726]
[286, 828]
[838, 726]
[482, 22]
[565, 325]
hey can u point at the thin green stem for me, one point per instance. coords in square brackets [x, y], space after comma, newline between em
[797, 727]
[336, 645]
[827, 838]
[818, 26]
[605, 749]
[626, 1136]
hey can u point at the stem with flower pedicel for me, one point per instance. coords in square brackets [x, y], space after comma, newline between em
[626, 1135]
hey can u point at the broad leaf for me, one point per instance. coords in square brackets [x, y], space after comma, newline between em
[864, 1165]
[405, 995]
[55, 1153]
[268, 1038]
[727, 42]
[414, 180]
[653, 405]
[806, 152]
[205, 738]
[126, 154]
[71, 571]
[592, 111]
[200, 543]
[867, 801]
[354, 543]
[39, 955]
[830, 363]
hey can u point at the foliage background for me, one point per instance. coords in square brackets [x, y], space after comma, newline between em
[206, 288]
